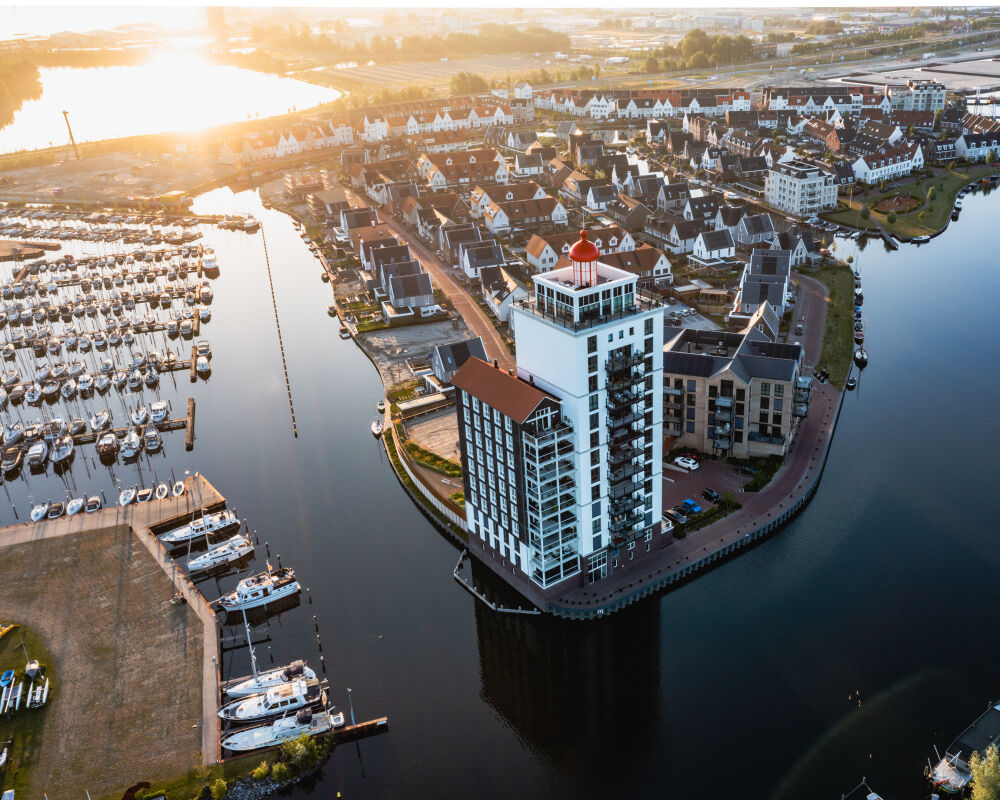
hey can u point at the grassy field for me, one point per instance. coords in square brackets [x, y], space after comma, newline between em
[125, 696]
[190, 785]
[838, 334]
[947, 185]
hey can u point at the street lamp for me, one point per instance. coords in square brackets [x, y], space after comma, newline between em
[351, 705]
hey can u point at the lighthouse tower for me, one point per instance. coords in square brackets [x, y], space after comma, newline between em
[584, 256]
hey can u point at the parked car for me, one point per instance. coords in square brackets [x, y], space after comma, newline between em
[746, 469]
[675, 515]
[685, 462]
[692, 506]
[710, 494]
[800, 329]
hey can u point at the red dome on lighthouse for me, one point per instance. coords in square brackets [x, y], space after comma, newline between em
[584, 250]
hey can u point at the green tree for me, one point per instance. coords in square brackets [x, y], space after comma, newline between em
[891, 218]
[652, 64]
[985, 771]
[281, 772]
[699, 60]
[219, 789]
[695, 41]
[468, 83]
[866, 212]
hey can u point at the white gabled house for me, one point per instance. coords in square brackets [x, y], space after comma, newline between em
[713, 245]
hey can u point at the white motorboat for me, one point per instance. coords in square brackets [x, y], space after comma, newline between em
[152, 439]
[68, 389]
[261, 589]
[126, 496]
[134, 379]
[139, 415]
[152, 376]
[100, 420]
[38, 454]
[305, 722]
[205, 315]
[264, 681]
[39, 511]
[102, 382]
[93, 504]
[158, 412]
[13, 433]
[204, 525]
[74, 506]
[119, 378]
[162, 490]
[63, 449]
[178, 489]
[202, 366]
[225, 553]
[274, 702]
[131, 444]
[34, 394]
[85, 383]
[377, 428]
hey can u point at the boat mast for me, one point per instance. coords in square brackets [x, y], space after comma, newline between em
[253, 657]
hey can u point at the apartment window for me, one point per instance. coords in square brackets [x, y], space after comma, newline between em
[776, 419]
[595, 475]
[595, 439]
[592, 364]
[765, 403]
[595, 527]
[631, 545]
[779, 405]
[597, 567]
[592, 343]
[592, 383]
[506, 424]
[690, 427]
[689, 413]
[765, 389]
[741, 394]
[594, 420]
[779, 391]
[649, 327]
[593, 402]
[595, 457]
[762, 417]
[611, 337]
[649, 536]
[690, 399]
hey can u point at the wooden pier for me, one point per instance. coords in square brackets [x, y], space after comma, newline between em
[189, 425]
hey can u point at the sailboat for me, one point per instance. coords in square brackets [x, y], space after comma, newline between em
[227, 552]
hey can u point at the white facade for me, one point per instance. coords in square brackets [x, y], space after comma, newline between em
[586, 339]
[800, 188]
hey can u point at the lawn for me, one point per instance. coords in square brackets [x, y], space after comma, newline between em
[947, 185]
[838, 334]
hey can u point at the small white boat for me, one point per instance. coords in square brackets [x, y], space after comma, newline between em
[13, 433]
[202, 366]
[178, 489]
[131, 444]
[162, 490]
[282, 730]
[39, 511]
[38, 454]
[152, 439]
[377, 428]
[261, 589]
[68, 389]
[126, 496]
[85, 382]
[63, 449]
[275, 701]
[381, 406]
[144, 495]
[225, 553]
[158, 412]
[93, 504]
[204, 525]
[74, 506]
[263, 681]
[139, 415]
[100, 420]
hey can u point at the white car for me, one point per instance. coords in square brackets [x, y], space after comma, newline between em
[686, 463]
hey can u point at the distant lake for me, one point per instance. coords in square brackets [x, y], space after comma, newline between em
[180, 91]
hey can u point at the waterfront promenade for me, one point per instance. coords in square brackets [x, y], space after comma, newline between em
[140, 518]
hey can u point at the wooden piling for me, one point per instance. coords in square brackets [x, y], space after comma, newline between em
[189, 428]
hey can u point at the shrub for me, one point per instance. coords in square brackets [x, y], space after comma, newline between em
[281, 772]
[261, 771]
[866, 213]
[302, 754]
[922, 215]
[219, 789]
[930, 193]
[891, 217]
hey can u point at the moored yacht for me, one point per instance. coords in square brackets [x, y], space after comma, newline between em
[305, 722]
[261, 589]
[264, 681]
[276, 700]
[204, 525]
[225, 553]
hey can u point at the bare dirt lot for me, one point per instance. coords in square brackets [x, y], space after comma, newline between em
[437, 432]
[393, 348]
[126, 697]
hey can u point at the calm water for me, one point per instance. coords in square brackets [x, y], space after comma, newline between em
[178, 90]
[845, 646]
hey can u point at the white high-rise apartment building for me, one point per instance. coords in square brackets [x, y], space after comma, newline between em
[588, 479]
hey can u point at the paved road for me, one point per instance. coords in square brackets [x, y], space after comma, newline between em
[812, 300]
[464, 303]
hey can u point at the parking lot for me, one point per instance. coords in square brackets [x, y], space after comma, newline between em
[679, 484]
[688, 319]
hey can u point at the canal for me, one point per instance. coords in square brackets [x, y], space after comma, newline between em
[844, 646]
